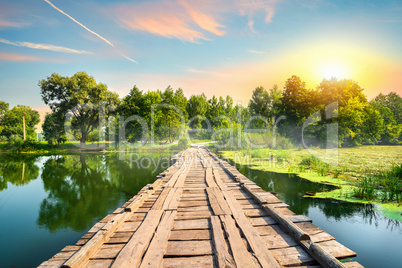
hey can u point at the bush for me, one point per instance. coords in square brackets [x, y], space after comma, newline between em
[183, 144]
[3, 139]
[15, 138]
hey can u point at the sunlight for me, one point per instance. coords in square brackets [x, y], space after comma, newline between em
[333, 69]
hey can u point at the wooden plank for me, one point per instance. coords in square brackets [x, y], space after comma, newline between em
[191, 224]
[190, 235]
[129, 226]
[99, 263]
[81, 257]
[172, 199]
[196, 262]
[218, 179]
[241, 256]
[188, 248]
[293, 256]
[323, 256]
[220, 249]
[286, 223]
[209, 178]
[108, 251]
[192, 215]
[253, 238]
[161, 198]
[154, 255]
[119, 238]
[214, 202]
[222, 202]
[131, 254]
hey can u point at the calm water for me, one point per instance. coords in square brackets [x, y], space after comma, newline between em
[376, 240]
[48, 202]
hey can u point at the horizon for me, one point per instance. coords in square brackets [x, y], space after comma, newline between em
[209, 47]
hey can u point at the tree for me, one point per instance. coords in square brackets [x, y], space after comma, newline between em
[260, 101]
[3, 109]
[298, 102]
[12, 121]
[53, 128]
[133, 104]
[82, 98]
[174, 112]
[390, 128]
[197, 105]
[340, 90]
[393, 102]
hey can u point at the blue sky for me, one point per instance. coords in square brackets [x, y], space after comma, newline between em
[218, 47]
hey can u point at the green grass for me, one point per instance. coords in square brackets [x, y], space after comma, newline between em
[366, 174]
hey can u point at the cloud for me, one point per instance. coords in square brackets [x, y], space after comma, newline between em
[44, 47]
[252, 51]
[4, 23]
[89, 30]
[169, 19]
[16, 57]
[251, 7]
[189, 20]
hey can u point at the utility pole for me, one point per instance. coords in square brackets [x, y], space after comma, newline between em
[23, 126]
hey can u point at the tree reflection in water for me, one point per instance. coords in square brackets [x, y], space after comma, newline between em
[83, 188]
[17, 169]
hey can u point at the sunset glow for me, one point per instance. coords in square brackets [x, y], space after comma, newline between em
[208, 46]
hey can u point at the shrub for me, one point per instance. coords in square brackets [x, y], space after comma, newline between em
[183, 144]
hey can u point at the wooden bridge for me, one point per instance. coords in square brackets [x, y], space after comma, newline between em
[201, 212]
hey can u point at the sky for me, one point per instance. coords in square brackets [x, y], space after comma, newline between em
[216, 47]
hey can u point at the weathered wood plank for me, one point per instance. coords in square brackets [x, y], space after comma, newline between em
[196, 262]
[253, 238]
[131, 254]
[161, 198]
[154, 255]
[241, 256]
[188, 248]
[190, 234]
[191, 224]
[220, 249]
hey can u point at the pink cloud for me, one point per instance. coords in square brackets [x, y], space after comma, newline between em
[189, 20]
[16, 57]
[4, 23]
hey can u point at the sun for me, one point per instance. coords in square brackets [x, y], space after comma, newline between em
[333, 69]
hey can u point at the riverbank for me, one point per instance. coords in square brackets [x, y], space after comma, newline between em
[353, 166]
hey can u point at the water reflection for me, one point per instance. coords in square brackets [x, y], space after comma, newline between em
[85, 187]
[17, 170]
[291, 190]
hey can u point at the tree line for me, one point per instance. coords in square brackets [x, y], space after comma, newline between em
[85, 110]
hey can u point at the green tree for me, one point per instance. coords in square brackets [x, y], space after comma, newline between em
[340, 90]
[173, 113]
[12, 121]
[53, 128]
[391, 130]
[298, 102]
[197, 107]
[260, 102]
[392, 101]
[81, 97]
[3, 109]
[133, 104]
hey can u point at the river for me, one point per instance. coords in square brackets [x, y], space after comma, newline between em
[48, 202]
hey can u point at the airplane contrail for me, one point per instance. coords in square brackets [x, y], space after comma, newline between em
[86, 28]
[79, 23]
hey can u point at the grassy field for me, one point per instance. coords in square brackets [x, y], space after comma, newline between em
[361, 174]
